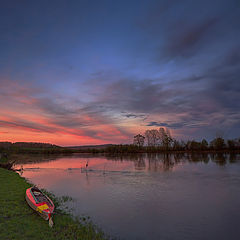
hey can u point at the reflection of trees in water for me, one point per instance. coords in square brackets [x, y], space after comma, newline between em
[125, 157]
[220, 159]
[233, 157]
[223, 158]
[163, 162]
[166, 162]
[32, 158]
[195, 157]
[179, 158]
[139, 163]
[149, 161]
[37, 158]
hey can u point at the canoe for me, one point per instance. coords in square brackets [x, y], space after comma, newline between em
[40, 203]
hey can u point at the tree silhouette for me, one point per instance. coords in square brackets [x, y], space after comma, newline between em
[138, 140]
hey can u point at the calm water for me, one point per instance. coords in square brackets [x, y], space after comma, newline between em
[149, 196]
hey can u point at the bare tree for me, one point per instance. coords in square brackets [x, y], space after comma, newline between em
[138, 140]
[162, 135]
[165, 137]
[155, 137]
[152, 137]
[148, 137]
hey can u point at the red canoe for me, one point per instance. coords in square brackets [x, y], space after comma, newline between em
[40, 203]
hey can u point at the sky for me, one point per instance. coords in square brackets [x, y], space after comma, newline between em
[97, 72]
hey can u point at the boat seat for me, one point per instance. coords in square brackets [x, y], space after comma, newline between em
[35, 189]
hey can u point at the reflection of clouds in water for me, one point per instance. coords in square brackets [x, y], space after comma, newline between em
[151, 162]
[135, 193]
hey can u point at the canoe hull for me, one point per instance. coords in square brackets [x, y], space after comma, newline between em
[44, 208]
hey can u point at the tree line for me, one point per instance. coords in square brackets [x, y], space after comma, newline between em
[161, 139]
[152, 141]
[32, 147]
[28, 145]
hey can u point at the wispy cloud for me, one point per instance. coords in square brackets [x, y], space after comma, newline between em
[50, 115]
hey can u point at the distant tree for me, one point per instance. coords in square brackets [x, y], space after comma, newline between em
[183, 145]
[161, 137]
[138, 140]
[148, 137]
[155, 137]
[152, 137]
[237, 143]
[165, 138]
[231, 144]
[188, 145]
[204, 144]
[194, 145]
[218, 143]
[176, 145]
[169, 139]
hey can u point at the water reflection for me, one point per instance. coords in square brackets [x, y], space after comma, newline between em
[166, 162]
[141, 162]
[147, 196]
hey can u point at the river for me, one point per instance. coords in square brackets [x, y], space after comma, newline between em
[154, 197]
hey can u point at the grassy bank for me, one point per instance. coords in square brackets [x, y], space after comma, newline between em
[19, 221]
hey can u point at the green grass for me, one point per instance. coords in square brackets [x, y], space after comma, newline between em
[19, 221]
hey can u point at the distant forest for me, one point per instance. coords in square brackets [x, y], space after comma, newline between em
[31, 147]
[152, 141]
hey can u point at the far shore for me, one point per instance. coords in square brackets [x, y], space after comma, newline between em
[217, 145]
[118, 149]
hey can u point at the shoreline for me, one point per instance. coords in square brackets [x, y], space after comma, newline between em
[19, 221]
[137, 151]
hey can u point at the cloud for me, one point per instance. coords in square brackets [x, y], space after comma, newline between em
[178, 31]
[207, 101]
[26, 125]
[131, 115]
[186, 40]
[162, 124]
[52, 115]
[137, 96]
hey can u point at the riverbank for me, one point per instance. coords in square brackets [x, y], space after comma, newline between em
[19, 221]
[218, 145]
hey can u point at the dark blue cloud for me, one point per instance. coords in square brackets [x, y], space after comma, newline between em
[162, 124]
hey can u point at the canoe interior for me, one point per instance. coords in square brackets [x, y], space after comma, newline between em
[39, 202]
[40, 197]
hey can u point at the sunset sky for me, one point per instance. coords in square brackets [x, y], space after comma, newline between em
[96, 72]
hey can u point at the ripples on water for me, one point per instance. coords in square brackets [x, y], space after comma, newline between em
[150, 196]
